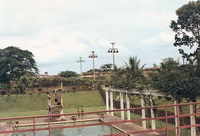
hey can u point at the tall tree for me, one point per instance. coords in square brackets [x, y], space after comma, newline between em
[187, 29]
[169, 64]
[180, 83]
[15, 63]
[67, 74]
[106, 67]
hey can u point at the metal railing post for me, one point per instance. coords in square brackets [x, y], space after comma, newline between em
[34, 127]
[111, 129]
[166, 122]
[49, 126]
[178, 121]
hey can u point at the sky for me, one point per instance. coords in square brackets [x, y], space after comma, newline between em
[59, 32]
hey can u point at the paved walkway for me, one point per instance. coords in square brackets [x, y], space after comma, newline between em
[128, 127]
[3, 127]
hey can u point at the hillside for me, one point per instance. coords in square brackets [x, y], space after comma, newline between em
[33, 103]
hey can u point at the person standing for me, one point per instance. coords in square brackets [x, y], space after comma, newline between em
[78, 111]
[82, 111]
[56, 99]
[102, 114]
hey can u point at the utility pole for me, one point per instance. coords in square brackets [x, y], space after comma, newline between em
[93, 56]
[80, 61]
[113, 51]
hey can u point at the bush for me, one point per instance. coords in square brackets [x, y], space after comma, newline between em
[39, 89]
[3, 92]
[179, 83]
[168, 98]
[34, 82]
[159, 97]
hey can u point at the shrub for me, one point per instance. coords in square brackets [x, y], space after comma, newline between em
[159, 97]
[3, 92]
[168, 98]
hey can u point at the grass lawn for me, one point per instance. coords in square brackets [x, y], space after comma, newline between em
[30, 105]
[44, 112]
[22, 114]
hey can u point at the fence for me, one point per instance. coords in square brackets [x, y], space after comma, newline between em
[47, 126]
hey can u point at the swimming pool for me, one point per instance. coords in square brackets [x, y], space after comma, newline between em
[79, 131]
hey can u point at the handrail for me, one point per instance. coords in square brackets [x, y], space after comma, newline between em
[165, 117]
[104, 111]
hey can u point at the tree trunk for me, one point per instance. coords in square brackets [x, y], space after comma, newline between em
[198, 62]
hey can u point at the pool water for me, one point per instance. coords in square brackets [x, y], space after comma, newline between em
[79, 131]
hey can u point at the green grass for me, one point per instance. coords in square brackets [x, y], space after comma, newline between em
[22, 103]
[22, 114]
[44, 112]
[82, 98]
[29, 105]
[86, 109]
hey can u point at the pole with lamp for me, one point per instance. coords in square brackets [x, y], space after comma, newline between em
[80, 61]
[93, 56]
[113, 51]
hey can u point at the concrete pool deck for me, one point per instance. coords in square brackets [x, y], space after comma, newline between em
[127, 127]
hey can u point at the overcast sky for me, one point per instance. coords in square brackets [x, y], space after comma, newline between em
[58, 32]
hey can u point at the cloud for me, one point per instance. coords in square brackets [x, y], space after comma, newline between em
[163, 37]
[59, 32]
[50, 45]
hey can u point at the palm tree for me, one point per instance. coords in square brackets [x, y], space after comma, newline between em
[133, 68]
[134, 76]
[128, 77]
